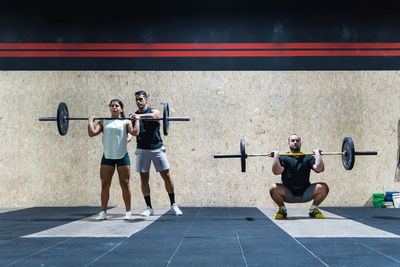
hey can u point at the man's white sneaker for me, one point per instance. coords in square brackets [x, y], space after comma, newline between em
[175, 209]
[128, 216]
[102, 216]
[148, 212]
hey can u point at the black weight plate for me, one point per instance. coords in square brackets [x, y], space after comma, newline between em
[165, 119]
[243, 155]
[348, 158]
[62, 118]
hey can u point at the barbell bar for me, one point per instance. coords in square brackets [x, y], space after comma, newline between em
[348, 154]
[63, 119]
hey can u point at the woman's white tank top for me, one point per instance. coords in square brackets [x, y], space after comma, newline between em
[115, 139]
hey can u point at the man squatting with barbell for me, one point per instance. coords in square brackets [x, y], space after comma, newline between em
[295, 186]
[149, 149]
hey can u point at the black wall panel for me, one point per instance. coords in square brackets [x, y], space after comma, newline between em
[201, 22]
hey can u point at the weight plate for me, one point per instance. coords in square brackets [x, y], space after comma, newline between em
[348, 158]
[62, 118]
[165, 119]
[243, 155]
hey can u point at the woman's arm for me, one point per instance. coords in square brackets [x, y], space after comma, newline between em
[94, 130]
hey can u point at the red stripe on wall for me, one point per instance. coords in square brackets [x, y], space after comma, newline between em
[193, 46]
[276, 53]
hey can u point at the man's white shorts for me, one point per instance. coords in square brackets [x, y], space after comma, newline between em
[146, 156]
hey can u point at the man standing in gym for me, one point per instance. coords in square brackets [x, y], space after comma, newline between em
[150, 149]
[295, 186]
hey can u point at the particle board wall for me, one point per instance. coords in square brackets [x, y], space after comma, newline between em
[41, 168]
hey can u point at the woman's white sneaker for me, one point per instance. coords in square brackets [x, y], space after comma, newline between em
[102, 216]
[128, 216]
[175, 209]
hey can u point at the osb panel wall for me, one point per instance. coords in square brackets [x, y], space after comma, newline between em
[39, 167]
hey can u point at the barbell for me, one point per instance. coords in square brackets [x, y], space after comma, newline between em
[63, 118]
[348, 154]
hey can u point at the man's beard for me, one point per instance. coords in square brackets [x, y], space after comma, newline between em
[295, 149]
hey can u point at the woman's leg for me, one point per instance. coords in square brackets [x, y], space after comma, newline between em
[124, 174]
[106, 173]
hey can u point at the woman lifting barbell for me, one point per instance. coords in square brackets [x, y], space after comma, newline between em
[115, 134]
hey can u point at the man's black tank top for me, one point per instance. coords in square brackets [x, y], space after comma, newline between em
[149, 137]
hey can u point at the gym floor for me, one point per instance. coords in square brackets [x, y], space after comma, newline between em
[203, 236]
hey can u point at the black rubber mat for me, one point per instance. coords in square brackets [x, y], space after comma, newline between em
[201, 237]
